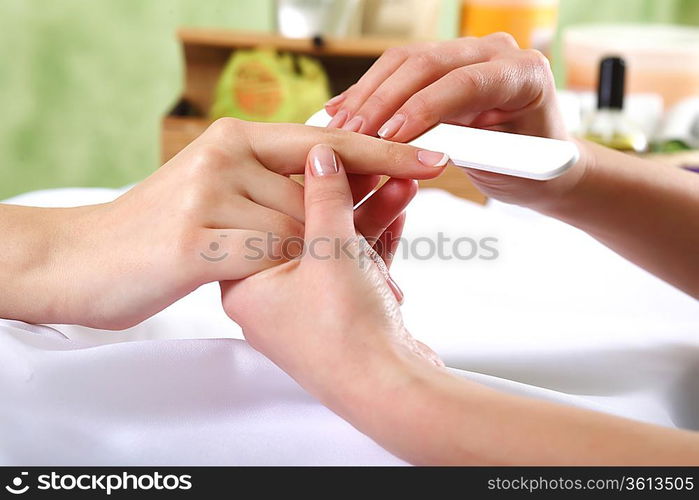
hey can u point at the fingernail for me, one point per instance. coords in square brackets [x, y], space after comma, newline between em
[339, 119]
[354, 124]
[392, 126]
[323, 160]
[335, 100]
[395, 289]
[432, 158]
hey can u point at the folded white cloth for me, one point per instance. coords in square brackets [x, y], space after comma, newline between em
[556, 316]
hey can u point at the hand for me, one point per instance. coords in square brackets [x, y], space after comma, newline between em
[329, 320]
[330, 312]
[113, 265]
[484, 82]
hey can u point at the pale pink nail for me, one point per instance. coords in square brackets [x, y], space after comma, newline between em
[432, 158]
[338, 120]
[392, 126]
[395, 289]
[335, 100]
[323, 160]
[354, 124]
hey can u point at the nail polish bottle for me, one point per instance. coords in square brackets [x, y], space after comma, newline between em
[608, 125]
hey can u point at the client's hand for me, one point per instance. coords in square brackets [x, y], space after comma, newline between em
[222, 209]
[330, 312]
[484, 82]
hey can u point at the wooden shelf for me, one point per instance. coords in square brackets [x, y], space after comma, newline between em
[345, 47]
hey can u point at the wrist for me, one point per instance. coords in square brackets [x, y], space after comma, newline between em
[370, 392]
[569, 192]
[38, 262]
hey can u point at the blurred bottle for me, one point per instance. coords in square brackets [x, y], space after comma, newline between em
[660, 59]
[309, 18]
[406, 19]
[608, 125]
[531, 22]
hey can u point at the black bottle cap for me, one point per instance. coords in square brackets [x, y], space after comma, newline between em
[318, 41]
[610, 87]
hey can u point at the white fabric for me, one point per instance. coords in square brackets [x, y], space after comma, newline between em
[556, 316]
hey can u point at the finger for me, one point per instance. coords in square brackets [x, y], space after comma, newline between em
[276, 192]
[373, 217]
[335, 102]
[375, 98]
[503, 84]
[419, 70]
[362, 185]
[283, 148]
[328, 199]
[234, 254]
[387, 244]
[384, 66]
[243, 213]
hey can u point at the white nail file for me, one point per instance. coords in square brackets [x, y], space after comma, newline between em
[525, 156]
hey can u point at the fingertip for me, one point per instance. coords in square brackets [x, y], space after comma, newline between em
[322, 161]
[433, 159]
[412, 187]
[334, 103]
[338, 119]
[392, 126]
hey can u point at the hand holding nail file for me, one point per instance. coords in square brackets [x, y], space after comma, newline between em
[525, 156]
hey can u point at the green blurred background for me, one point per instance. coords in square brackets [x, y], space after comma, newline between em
[84, 83]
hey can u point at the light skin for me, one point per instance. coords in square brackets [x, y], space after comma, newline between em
[334, 324]
[343, 339]
[348, 345]
[644, 211]
[111, 266]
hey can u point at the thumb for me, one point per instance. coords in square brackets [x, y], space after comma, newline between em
[328, 197]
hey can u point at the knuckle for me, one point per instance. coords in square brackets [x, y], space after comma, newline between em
[225, 126]
[397, 155]
[419, 107]
[328, 136]
[205, 159]
[334, 137]
[424, 60]
[503, 38]
[376, 101]
[200, 180]
[536, 58]
[468, 77]
[396, 53]
[330, 196]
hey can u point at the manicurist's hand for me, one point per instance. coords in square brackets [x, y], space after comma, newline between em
[219, 210]
[639, 209]
[330, 314]
[484, 82]
[330, 321]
